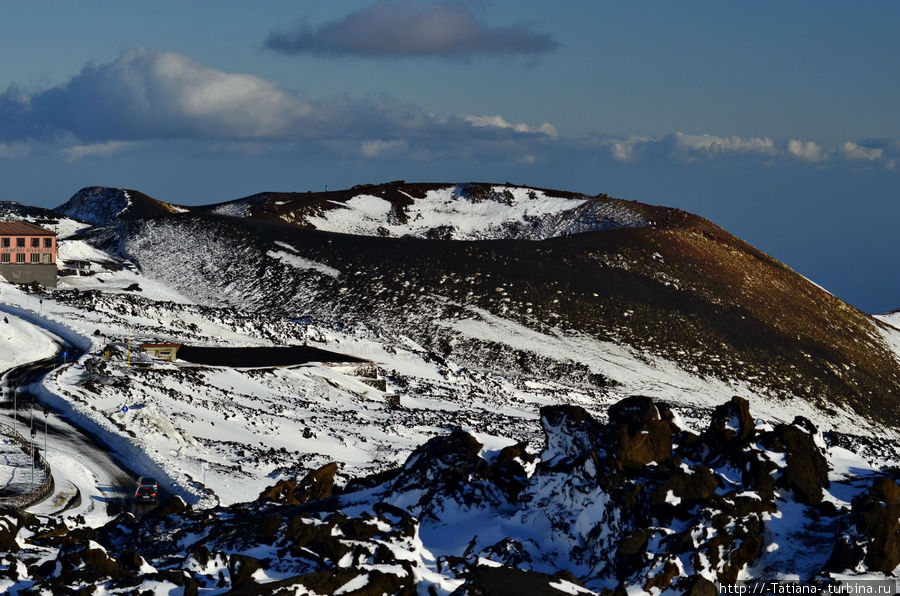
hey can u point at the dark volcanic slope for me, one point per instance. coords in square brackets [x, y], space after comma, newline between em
[100, 205]
[681, 288]
[13, 211]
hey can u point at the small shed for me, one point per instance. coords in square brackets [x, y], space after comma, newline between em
[162, 351]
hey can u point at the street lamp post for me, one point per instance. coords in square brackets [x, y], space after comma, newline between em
[46, 415]
[15, 408]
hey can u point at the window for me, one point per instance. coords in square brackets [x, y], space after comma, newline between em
[35, 243]
[48, 242]
[46, 258]
[20, 256]
[4, 258]
[5, 243]
[35, 257]
[20, 242]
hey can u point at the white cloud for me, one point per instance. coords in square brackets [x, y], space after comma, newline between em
[144, 96]
[807, 151]
[499, 122]
[852, 150]
[624, 150]
[96, 150]
[713, 145]
[686, 147]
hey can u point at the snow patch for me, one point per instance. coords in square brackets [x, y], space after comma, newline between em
[301, 263]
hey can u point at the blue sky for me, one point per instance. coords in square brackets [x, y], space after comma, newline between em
[776, 120]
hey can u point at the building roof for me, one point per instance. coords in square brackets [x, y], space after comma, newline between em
[160, 345]
[20, 228]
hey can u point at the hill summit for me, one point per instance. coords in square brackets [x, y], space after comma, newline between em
[513, 277]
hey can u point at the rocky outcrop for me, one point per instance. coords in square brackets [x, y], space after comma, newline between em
[315, 485]
[636, 501]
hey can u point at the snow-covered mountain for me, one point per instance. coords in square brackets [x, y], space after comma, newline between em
[666, 284]
[495, 328]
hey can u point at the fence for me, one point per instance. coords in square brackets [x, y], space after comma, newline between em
[37, 493]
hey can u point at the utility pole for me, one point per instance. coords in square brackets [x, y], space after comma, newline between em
[46, 415]
[15, 407]
[33, 432]
[128, 342]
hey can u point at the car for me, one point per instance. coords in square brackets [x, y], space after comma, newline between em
[147, 489]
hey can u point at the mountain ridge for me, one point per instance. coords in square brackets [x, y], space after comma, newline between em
[679, 287]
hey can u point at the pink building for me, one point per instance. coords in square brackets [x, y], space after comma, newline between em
[27, 253]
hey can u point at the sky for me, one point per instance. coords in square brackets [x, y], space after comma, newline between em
[777, 121]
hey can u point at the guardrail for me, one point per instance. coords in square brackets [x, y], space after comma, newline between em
[37, 493]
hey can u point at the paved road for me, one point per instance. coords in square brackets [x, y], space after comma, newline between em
[116, 482]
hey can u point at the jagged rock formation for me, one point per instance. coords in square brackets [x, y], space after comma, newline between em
[636, 501]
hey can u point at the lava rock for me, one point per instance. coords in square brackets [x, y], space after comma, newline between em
[877, 517]
[806, 469]
[317, 484]
[8, 531]
[732, 421]
[641, 435]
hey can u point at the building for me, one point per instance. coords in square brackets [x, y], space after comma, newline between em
[162, 351]
[27, 253]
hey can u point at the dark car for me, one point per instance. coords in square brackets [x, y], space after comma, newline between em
[146, 490]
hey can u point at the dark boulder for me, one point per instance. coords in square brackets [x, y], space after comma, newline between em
[317, 484]
[691, 486]
[806, 469]
[640, 433]
[876, 514]
[173, 506]
[8, 531]
[482, 580]
[732, 422]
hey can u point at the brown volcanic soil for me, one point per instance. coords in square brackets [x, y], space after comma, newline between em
[682, 288]
[144, 206]
[707, 301]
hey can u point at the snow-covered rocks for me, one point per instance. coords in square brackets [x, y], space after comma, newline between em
[475, 212]
[454, 517]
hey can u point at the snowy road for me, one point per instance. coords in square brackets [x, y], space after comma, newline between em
[88, 481]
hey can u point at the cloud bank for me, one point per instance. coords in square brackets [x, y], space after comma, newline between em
[409, 29]
[686, 148]
[144, 97]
